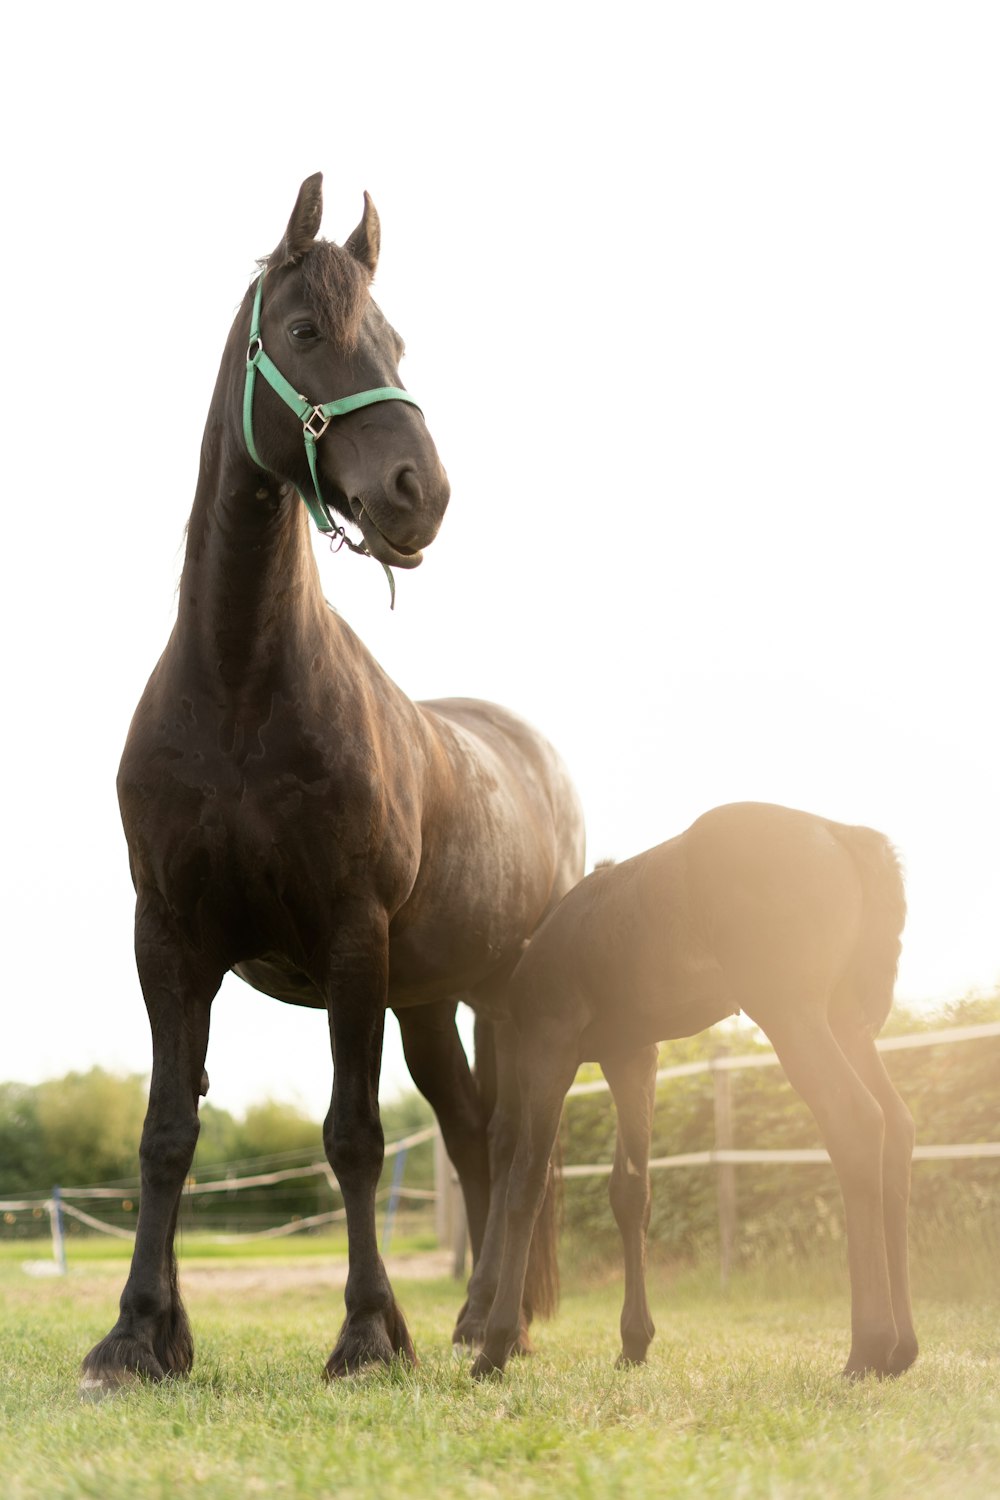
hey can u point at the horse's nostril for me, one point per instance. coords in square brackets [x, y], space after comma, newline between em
[404, 486]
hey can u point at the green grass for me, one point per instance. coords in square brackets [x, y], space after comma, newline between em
[740, 1399]
[197, 1246]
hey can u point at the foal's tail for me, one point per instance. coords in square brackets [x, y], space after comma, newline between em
[541, 1284]
[872, 974]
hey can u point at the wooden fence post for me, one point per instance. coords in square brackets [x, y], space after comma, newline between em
[449, 1209]
[726, 1172]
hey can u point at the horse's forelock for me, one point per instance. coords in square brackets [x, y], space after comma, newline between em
[337, 289]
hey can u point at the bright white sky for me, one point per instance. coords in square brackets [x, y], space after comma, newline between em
[703, 309]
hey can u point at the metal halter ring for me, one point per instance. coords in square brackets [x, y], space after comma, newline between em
[321, 420]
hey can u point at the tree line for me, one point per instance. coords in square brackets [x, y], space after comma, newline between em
[84, 1129]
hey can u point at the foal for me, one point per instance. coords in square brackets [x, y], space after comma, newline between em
[791, 918]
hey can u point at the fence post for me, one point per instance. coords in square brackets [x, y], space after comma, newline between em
[449, 1209]
[726, 1172]
[58, 1239]
[398, 1168]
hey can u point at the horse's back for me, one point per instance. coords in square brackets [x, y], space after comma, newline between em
[501, 841]
[502, 757]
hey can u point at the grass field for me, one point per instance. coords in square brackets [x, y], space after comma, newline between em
[740, 1399]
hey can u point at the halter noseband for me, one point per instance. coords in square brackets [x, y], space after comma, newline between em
[315, 419]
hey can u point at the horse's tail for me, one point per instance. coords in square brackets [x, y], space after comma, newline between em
[872, 974]
[541, 1283]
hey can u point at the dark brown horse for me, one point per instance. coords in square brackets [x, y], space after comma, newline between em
[794, 920]
[290, 814]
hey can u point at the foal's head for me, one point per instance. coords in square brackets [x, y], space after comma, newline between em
[377, 465]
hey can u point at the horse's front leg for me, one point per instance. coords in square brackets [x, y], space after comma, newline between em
[152, 1336]
[374, 1330]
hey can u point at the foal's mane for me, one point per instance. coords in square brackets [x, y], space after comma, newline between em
[337, 288]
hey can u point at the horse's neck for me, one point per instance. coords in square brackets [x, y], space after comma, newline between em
[250, 593]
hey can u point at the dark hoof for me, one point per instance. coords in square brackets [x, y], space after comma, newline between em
[116, 1362]
[629, 1361]
[469, 1332]
[367, 1342]
[485, 1369]
[871, 1356]
[903, 1356]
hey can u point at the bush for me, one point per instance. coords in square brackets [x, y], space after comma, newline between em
[953, 1092]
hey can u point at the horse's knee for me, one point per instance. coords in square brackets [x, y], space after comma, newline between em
[355, 1153]
[167, 1146]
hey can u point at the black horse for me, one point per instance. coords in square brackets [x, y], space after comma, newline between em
[290, 814]
[794, 920]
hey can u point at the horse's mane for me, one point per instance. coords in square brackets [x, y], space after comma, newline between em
[337, 288]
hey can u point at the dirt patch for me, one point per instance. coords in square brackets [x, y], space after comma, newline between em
[329, 1274]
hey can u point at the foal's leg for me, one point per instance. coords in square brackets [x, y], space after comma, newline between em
[632, 1080]
[502, 1137]
[853, 1126]
[547, 1060]
[374, 1330]
[897, 1153]
[152, 1336]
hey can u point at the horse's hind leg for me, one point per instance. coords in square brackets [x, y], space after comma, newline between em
[440, 1070]
[632, 1080]
[897, 1154]
[852, 1124]
[152, 1336]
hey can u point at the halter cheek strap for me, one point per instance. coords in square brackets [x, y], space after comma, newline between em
[315, 419]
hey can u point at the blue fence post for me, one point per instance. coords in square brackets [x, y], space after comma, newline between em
[58, 1239]
[394, 1195]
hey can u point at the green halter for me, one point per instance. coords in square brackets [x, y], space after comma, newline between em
[315, 419]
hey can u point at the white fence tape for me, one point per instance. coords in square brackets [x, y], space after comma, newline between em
[716, 1157]
[731, 1063]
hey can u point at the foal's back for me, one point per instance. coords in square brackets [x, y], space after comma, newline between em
[754, 907]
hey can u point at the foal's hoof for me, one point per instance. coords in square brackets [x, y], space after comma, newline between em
[903, 1356]
[485, 1369]
[629, 1361]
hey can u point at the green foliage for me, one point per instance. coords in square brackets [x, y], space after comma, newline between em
[953, 1092]
[22, 1160]
[89, 1125]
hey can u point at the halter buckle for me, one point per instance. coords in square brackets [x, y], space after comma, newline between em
[316, 423]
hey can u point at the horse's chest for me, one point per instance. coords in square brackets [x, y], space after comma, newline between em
[261, 835]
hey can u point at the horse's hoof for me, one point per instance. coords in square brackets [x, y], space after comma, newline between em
[367, 1344]
[118, 1361]
[903, 1356]
[103, 1387]
[485, 1369]
[629, 1361]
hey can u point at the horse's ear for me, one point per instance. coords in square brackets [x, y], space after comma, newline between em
[303, 226]
[364, 243]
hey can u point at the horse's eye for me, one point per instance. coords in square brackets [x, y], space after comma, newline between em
[304, 332]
